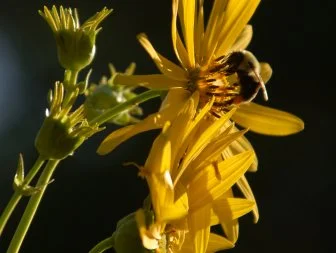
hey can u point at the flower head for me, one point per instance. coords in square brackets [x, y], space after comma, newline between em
[190, 184]
[75, 43]
[213, 61]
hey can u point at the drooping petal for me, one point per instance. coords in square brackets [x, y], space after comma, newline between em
[247, 192]
[217, 243]
[240, 145]
[166, 67]
[206, 186]
[166, 208]
[187, 136]
[237, 15]
[199, 227]
[173, 102]
[202, 141]
[178, 129]
[158, 160]
[156, 81]
[229, 225]
[265, 120]
[211, 153]
[243, 39]
[234, 207]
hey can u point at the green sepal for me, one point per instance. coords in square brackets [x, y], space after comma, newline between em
[54, 140]
[19, 175]
[75, 49]
[82, 86]
[19, 184]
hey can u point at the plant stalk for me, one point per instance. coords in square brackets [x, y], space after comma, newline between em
[32, 206]
[17, 195]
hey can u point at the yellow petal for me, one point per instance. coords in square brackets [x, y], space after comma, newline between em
[217, 243]
[188, 245]
[243, 39]
[206, 187]
[180, 51]
[199, 31]
[240, 145]
[238, 13]
[247, 192]
[164, 205]
[234, 207]
[229, 225]
[213, 151]
[178, 130]
[213, 29]
[199, 227]
[189, 7]
[189, 133]
[157, 81]
[172, 104]
[167, 67]
[265, 120]
[159, 157]
[202, 141]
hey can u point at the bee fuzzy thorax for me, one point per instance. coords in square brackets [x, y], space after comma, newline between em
[230, 79]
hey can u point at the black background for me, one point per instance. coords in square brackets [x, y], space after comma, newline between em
[295, 183]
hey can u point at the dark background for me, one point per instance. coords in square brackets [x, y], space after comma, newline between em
[295, 183]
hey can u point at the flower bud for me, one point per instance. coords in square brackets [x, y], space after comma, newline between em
[54, 140]
[126, 237]
[75, 43]
[62, 131]
[106, 95]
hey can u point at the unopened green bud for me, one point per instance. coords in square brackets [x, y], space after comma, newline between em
[62, 131]
[106, 95]
[127, 238]
[75, 43]
[54, 140]
[75, 49]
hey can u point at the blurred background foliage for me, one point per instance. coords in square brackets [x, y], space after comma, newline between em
[296, 179]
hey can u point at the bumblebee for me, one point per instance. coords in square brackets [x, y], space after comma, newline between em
[246, 69]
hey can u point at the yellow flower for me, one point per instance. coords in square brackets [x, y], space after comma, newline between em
[190, 184]
[204, 59]
[75, 43]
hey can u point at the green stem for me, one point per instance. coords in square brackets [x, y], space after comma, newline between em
[70, 78]
[70, 81]
[73, 78]
[110, 113]
[32, 206]
[103, 245]
[17, 196]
